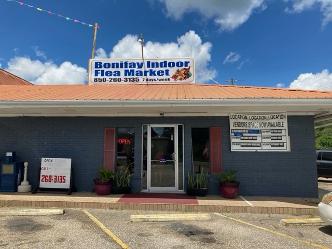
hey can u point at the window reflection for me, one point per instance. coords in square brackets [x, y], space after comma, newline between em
[200, 149]
[125, 148]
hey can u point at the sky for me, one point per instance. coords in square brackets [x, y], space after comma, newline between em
[276, 43]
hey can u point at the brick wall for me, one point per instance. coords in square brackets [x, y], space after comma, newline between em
[260, 173]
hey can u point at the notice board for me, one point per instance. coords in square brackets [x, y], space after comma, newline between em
[259, 132]
[55, 173]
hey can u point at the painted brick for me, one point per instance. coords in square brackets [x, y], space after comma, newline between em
[260, 173]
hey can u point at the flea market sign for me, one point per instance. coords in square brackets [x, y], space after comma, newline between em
[55, 173]
[141, 71]
[259, 132]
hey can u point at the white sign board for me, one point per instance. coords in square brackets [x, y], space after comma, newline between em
[55, 173]
[258, 132]
[139, 71]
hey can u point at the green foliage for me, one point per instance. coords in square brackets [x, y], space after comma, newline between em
[122, 177]
[198, 181]
[227, 176]
[105, 175]
[323, 138]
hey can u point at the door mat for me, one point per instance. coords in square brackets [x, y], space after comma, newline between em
[155, 198]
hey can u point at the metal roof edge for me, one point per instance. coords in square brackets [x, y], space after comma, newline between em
[157, 103]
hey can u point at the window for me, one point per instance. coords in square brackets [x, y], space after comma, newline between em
[125, 141]
[327, 156]
[200, 149]
[180, 157]
[319, 156]
[145, 158]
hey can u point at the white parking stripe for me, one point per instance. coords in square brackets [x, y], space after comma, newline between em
[308, 243]
[248, 202]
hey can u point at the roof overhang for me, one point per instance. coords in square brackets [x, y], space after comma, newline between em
[192, 107]
[323, 120]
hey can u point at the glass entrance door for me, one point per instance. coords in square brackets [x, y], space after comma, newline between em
[162, 158]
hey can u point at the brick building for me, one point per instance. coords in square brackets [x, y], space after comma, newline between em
[164, 131]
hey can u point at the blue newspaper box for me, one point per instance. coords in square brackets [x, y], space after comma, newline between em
[9, 172]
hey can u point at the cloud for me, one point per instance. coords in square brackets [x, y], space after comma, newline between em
[280, 85]
[313, 81]
[299, 6]
[232, 57]
[39, 53]
[47, 72]
[228, 15]
[188, 45]
[42, 71]
[242, 63]
[100, 54]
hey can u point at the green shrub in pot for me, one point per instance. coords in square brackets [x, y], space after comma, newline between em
[103, 182]
[122, 179]
[198, 183]
[229, 186]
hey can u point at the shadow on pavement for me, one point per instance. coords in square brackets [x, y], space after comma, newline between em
[326, 229]
[327, 180]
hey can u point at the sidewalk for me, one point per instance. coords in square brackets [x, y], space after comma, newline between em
[243, 204]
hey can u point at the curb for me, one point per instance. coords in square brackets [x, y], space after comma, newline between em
[30, 212]
[162, 207]
[169, 217]
[302, 221]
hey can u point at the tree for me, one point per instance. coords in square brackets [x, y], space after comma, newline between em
[323, 137]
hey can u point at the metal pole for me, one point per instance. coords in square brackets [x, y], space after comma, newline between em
[95, 28]
[141, 41]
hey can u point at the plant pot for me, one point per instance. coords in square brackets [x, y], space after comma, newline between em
[121, 190]
[103, 188]
[197, 191]
[229, 190]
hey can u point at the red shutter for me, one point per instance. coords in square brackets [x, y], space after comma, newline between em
[109, 148]
[215, 149]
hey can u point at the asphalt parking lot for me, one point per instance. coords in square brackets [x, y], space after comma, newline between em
[75, 230]
[71, 230]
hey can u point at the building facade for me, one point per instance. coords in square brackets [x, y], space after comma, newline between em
[163, 133]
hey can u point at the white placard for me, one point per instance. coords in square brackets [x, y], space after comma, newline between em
[55, 173]
[103, 71]
[258, 131]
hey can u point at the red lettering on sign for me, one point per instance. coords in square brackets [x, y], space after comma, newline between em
[124, 141]
[59, 179]
[54, 179]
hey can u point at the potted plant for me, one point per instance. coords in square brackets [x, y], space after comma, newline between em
[122, 178]
[198, 184]
[103, 182]
[229, 187]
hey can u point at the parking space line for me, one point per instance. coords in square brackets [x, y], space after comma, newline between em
[309, 243]
[115, 238]
[248, 202]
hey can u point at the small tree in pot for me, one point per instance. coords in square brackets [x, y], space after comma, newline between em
[103, 182]
[198, 184]
[229, 187]
[122, 178]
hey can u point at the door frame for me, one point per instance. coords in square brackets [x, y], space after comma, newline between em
[176, 160]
